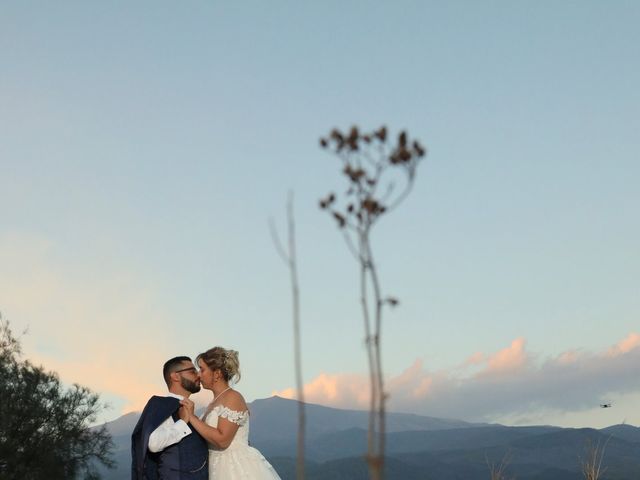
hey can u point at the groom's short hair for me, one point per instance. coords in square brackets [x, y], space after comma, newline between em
[171, 366]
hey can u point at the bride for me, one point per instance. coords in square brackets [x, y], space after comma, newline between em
[225, 423]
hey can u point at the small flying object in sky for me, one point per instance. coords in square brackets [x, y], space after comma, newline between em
[605, 405]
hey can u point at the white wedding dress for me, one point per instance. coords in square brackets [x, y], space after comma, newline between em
[239, 461]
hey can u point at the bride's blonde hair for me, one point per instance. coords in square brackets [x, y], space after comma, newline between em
[218, 358]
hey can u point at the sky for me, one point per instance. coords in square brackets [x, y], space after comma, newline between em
[144, 147]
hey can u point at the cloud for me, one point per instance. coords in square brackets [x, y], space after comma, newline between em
[509, 359]
[631, 342]
[95, 331]
[508, 383]
[91, 331]
[340, 390]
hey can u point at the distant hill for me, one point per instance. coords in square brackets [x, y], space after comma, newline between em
[418, 447]
[345, 443]
[123, 425]
[553, 455]
[276, 418]
[623, 431]
[274, 426]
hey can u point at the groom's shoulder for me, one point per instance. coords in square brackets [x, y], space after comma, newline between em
[158, 400]
[158, 409]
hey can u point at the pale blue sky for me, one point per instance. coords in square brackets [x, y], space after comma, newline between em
[144, 146]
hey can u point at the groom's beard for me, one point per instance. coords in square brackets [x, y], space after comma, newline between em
[189, 385]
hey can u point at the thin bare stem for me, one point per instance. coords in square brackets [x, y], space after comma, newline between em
[498, 472]
[368, 338]
[350, 246]
[276, 241]
[377, 294]
[290, 258]
[401, 197]
[293, 268]
[592, 465]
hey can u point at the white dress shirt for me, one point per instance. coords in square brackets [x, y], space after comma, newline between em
[169, 432]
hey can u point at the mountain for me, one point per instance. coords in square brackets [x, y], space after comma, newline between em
[275, 418]
[352, 442]
[418, 447]
[123, 425]
[274, 426]
[557, 454]
[623, 431]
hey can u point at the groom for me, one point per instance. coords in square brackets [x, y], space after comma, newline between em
[163, 445]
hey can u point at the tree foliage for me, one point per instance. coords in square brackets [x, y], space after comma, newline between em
[45, 428]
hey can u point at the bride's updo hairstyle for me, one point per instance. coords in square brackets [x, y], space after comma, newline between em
[218, 358]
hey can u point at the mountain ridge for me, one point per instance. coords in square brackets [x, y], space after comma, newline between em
[418, 447]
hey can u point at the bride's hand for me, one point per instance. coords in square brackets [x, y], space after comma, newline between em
[188, 407]
[184, 414]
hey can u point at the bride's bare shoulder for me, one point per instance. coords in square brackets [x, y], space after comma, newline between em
[235, 401]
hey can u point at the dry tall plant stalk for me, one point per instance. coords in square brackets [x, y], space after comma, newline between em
[290, 259]
[370, 164]
[498, 471]
[592, 468]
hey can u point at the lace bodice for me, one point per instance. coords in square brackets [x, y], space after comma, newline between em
[239, 461]
[239, 418]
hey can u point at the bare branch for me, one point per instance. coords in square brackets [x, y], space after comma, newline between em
[290, 259]
[276, 241]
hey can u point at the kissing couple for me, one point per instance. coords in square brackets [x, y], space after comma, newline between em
[170, 442]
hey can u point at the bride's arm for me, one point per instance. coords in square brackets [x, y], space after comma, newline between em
[223, 434]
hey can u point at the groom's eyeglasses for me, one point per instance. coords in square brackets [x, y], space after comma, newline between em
[190, 369]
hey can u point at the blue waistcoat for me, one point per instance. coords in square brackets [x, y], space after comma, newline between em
[185, 460]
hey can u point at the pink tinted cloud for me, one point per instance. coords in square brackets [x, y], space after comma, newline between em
[475, 359]
[509, 359]
[631, 342]
[338, 390]
[508, 382]
[568, 357]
